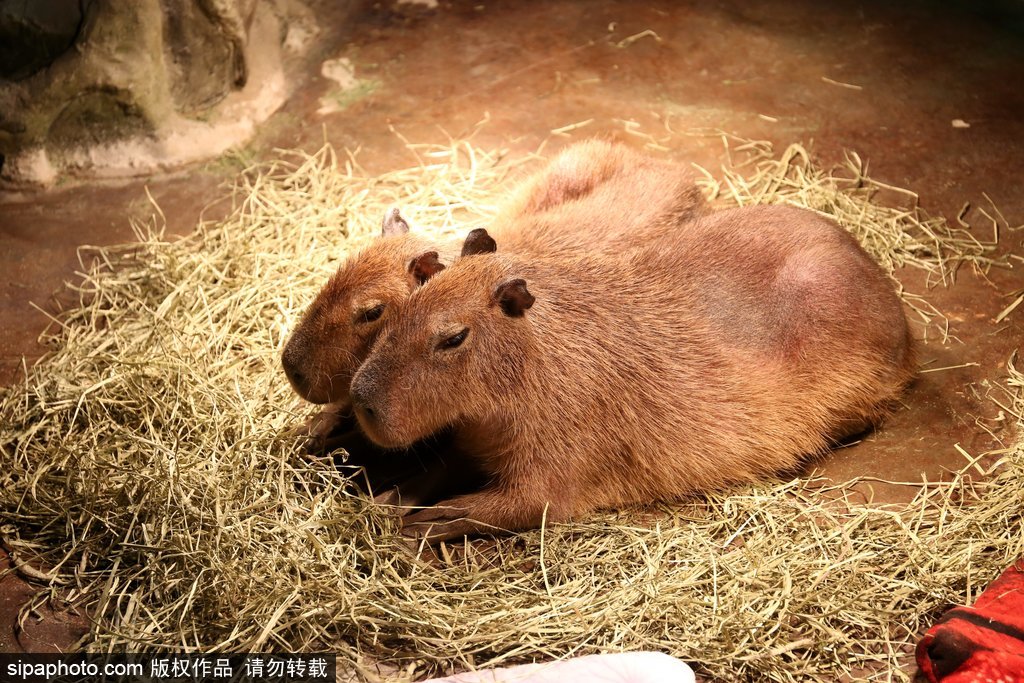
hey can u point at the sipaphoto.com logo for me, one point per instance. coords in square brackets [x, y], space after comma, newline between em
[62, 669]
[123, 667]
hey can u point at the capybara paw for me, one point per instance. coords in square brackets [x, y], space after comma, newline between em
[390, 497]
[437, 523]
[317, 432]
[311, 444]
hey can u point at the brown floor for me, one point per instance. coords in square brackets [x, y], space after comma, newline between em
[756, 69]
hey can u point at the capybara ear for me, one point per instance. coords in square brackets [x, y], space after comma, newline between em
[425, 266]
[393, 223]
[479, 242]
[513, 297]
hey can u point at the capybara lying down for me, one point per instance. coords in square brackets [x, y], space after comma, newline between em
[594, 196]
[579, 383]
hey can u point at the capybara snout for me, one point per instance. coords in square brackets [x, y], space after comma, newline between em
[292, 360]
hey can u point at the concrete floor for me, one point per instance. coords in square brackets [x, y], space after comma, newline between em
[764, 70]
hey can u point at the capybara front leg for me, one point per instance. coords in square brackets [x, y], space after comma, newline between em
[332, 423]
[489, 511]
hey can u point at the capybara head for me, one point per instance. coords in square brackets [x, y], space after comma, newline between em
[455, 343]
[338, 328]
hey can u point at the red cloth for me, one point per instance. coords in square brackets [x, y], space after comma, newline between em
[983, 643]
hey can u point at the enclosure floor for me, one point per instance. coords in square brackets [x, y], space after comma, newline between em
[756, 69]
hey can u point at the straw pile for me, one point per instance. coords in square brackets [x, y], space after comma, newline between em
[144, 475]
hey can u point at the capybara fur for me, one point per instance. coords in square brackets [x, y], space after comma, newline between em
[594, 196]
[590, 382]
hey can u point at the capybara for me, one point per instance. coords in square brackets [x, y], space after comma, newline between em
[594, 196]
[592, 382]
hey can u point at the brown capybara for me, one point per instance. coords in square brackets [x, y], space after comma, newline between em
[594, 196]
[583, 383]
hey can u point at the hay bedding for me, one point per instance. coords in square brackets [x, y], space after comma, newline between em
[142, 464]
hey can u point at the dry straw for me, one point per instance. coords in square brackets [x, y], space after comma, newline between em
[145, 478]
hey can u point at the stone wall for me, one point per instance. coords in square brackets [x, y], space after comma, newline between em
[115, 88]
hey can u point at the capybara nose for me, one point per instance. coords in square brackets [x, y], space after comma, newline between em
[360, 401]
[296, 377]
[293, 372]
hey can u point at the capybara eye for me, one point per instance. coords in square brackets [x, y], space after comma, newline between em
[453, 341]
[370, 314]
